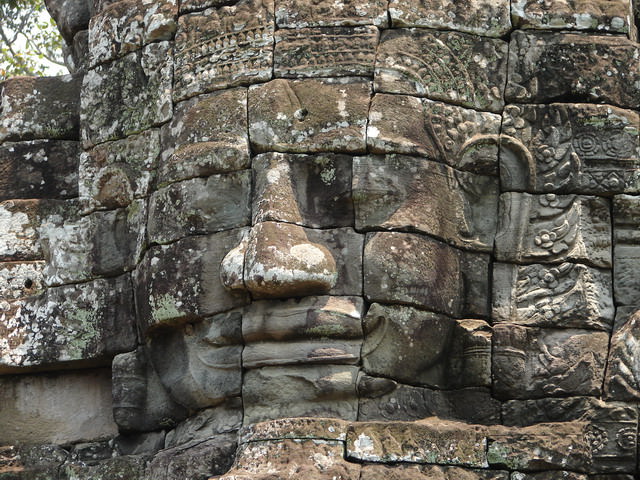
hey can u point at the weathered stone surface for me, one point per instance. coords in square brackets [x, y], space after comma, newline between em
[224, 47]
[226, 418]
[292, 459]
[554, 228]
[626, 250]
[623, 373]
[128, 25]
[39, 169]
[128, 95]
[79, 324]
[551, 475]
[567, 295]
[533, 362]
[309, 190]
[325, 52]
[611, 430]
[113, 174]
[417, 270]
[139, 443]
[56, 408]
[311, 115]
[425, 348]
[449, 66]
[127, 467]
[425, 441]
[538, 70]
[460, 137]
[573, 148]
[599, 15]
[31, 462]
[550, 446]
[140, 402]
[20, 279]
[295, 428]
[204, 368]
[405, 193]
[71, 16]
[207, 135]
[39, 107]
[429, 472]
[482, 17]
[181, 281]
[386, 400]
[200, 206]
[296, 391]
[324, 13]
[19, 223]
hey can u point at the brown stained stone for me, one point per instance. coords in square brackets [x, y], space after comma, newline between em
[21, 279]
[292, 459]
[180, 282]
[295, 428]
[573, 148]
[626, 250]
[429, 472]
[127, 95]
[325, 52]
[623, 374]
[553, 229]
[566, 295]
[424, 348]
[431, 440]
[460, 137]
[481, 17]
[128, 25]
[312, 115]
[39, 169]
[599, 15]
[300, 391]
[326, 13]
[224, 47]
[604, 69]
[200, 206]
[453, 67]
[417, 270]
[407, 193]
[309, 190]
[113, 174]
[207, 135]
[72, 325]
[40, 107]
[533, 362]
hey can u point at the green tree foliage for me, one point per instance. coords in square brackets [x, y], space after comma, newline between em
[30, 43]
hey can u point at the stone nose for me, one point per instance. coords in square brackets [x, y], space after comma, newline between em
[277, 260]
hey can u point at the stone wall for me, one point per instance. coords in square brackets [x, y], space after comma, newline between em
[414, 224]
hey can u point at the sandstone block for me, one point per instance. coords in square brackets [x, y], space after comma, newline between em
[325, 52]
[309, 190]
[533, 362]
[538, 70]
[113, 174]
[602, 16]
[127, 95]
[226, 418]
[576, 148]
[623, 374]
[75, 325]
[453, 67]
[128, 25]
[300, 13]
[20, 279]
[295, 428]
[312, 115]
[206, 136]
[39, 169]
[429, 472]
[551, 475]
[56, 408]
[426, 441]
[462, 138]
[417, 270]
[40, 107]
[129, 467]
[406, 193]
[566, 295]
[298, 391]
[180, 282]
[70, 16]
[200, 206]
[554, 228]
[626, 250]
[204, 367]
[224, 47]
[482, 17]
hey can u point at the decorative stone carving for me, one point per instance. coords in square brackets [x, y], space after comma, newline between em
[324, 13]
[626, 250]
[623, 375]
